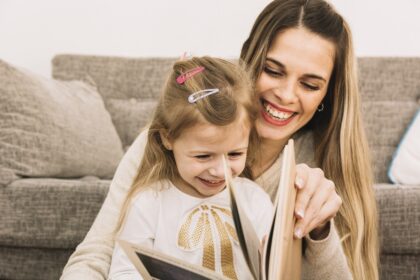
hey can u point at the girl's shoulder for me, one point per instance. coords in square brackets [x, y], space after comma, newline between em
[149, 196]
[250, 191]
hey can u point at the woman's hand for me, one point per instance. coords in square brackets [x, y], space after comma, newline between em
[317, 202]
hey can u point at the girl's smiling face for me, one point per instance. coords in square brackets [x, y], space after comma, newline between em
[293, 82]
[198, 155]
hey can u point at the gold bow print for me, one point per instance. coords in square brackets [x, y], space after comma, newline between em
[198, 230]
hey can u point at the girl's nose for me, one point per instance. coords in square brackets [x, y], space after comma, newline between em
[216, 169]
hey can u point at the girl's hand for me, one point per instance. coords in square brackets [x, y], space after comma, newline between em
[317, 202]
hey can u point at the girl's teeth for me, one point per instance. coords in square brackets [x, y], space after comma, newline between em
[213, 182]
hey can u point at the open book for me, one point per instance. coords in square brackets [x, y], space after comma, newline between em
[279, 259]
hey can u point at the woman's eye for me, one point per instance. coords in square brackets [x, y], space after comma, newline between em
[310, 87]
[272, 72]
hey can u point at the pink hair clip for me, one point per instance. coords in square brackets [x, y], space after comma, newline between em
[183, 77]
[184, 56]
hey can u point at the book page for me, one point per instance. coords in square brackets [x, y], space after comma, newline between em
[152, 264]
[248, 238]
[283, 253]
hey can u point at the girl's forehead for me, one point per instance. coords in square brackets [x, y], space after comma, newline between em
[204, 133]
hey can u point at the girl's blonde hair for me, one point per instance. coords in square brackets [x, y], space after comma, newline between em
[341, 148]
[174, 114]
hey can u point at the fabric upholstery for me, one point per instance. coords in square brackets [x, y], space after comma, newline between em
[400, 267]
[399, 218]
[53, 128]
[128, 85]
[32, 263]
[405, 163]
[390, 92]
[49, 213]
[130, 116]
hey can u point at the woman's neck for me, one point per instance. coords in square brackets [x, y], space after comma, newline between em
[269, 151]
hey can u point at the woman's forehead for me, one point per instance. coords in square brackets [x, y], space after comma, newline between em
[300, 50]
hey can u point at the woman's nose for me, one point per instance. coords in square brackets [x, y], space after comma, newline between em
[286, 91]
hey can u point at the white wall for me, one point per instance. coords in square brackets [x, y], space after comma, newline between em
[31, 32]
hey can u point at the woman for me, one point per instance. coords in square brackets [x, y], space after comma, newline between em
[301, 58]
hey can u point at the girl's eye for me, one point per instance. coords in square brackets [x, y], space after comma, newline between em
[272, 72]
[235, 154]
[310, 87]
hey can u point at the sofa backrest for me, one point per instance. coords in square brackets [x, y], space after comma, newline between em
[390, 90]
[129, 86]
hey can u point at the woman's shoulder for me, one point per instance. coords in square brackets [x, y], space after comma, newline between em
[140, 142]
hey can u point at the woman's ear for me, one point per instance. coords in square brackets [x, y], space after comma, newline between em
[165, 139]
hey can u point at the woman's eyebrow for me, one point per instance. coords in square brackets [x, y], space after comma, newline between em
[313, 76]
[310, 76]
[278, 63]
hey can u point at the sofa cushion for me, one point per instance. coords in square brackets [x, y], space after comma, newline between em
[130, 117]
[49, 213]
[127, 85]
[399, 218]
[405, 165]
[32, 263]
[53, 128]
[390, 91]
[401, 267]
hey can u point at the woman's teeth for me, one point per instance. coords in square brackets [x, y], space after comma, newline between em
[277, 114]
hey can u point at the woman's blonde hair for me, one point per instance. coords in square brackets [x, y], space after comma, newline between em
[341, 148]
[174, 114]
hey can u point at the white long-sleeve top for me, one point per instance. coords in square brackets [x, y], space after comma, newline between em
[196, 230]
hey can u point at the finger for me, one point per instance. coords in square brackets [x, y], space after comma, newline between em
[329, 210]
[304, 195]
[319, 198]
[302, 171]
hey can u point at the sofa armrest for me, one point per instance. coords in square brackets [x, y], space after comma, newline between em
[399, 218]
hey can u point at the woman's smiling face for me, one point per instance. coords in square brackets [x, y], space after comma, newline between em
[293, 82]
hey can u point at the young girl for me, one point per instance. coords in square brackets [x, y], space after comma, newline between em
[178, 203]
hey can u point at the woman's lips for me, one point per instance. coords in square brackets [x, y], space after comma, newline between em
[275, 116]
[212, 183]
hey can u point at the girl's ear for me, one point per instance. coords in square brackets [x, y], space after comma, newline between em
[165, 139]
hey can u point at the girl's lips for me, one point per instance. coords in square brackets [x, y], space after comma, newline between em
[215, 184]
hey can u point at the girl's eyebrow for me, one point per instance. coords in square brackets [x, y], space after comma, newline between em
[210, 152]
[281, 65]
[240, 149]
